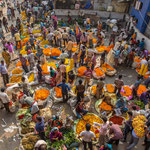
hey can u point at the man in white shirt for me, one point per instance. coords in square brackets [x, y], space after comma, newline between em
[40, 144]
[87, 137]
[4, 73]
[144, 62]
[31, 59]
[50, 38]
[65, 37]
[4, 99]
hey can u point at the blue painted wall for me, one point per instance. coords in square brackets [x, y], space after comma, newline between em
[141, 15]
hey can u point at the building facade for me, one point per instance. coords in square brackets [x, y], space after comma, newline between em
[141, 15]
[120, 6]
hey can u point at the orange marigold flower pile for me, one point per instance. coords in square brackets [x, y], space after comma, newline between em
[15, 79]
[17, 71]
[106, 67]
[47, 51]
[81, 71]
[19, 64]
[55, 52]
[99, 72]
[41, 94]
[101, 48]
[141, 89]
[128, 91]
[137, 59]
[105, 106]
[46, 65]
[94, 89]
[89, 118]
[58, 92]
[110, 88]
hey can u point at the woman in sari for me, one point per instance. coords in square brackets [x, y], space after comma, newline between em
[58, 76]
[99, 28]
[6, 57]
[53, 74]
[55, 135]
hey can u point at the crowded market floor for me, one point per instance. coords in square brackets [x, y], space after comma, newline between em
[41, 53]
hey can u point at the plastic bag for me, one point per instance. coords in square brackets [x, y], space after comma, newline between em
[110, 57]
[118, 112]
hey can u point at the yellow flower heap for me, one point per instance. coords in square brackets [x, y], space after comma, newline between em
[139, 124]
[94, 87]
[89, 118]
[15, 79]
[17, 71]
[31, 77]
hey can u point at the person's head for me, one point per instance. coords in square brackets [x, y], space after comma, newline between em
[143, 39]
[148, 125]
[20, 55]
[55, 130]
[2, 89]
[148, 91]
[81, 103]
[94, 54]
[110, 123]
[106, 147]
[104, 119]
[29, 52]
[58, 69]
[134, 107]
[4, 49]
[63, 80]
[88, 67]
[120, 76]
[43, 147]
[88, 127]
[147, 58]
[121, 99]
[101, 79]
[130, 114]
[2, 62]
[39, 61]
[51, 68]
[83, 33]
[38, 119]
[71, 71]
[83, 47]
[64, 30]
[138, 77]
[62, 62]
[23, 79]
[80, 82]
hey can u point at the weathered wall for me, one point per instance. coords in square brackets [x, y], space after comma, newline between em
[120, 7]
[101, 4]
[103, 14]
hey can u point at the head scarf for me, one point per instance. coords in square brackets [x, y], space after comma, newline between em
[55, 128]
